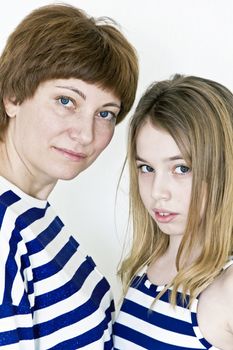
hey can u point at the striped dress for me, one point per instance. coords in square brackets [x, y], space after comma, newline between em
[160, 328]
[51, 294]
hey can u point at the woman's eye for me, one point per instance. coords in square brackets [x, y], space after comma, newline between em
[182, 169]
[107, 115]
[65, 101]
[145, 168]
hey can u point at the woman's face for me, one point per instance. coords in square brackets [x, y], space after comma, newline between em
[61, 130]
[165, 180]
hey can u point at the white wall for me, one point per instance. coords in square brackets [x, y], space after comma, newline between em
[171, 36]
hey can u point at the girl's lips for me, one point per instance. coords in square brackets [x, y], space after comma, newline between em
[163, 216]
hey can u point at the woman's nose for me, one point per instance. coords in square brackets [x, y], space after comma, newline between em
[82, 129]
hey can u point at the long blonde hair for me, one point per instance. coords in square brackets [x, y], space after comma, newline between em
[198, 114]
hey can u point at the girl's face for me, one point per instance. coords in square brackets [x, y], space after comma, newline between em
[165, 180]
[61, 130]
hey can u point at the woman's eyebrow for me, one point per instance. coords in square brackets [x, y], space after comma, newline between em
[77, 91]
[83, 96]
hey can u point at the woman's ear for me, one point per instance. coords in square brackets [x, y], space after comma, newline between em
[11, 107]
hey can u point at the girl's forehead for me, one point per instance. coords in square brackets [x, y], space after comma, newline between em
[156, 143]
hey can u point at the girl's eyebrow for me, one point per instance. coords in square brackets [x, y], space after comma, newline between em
[178, 157]
[169, 159]
[140, 159]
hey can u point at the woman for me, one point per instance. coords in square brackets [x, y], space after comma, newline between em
[178, 277]
[65, 81]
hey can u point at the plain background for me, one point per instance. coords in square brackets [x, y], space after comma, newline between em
[170, 36]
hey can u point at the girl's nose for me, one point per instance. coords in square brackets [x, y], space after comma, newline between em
[160, 187]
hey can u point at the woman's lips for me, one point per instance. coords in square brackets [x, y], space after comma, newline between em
[70, 154]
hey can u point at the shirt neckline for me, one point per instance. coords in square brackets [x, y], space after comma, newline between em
[7, 185]
[193, 308]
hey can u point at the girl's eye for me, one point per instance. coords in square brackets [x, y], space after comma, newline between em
[145, 168]
[182, 169]
[107, 115]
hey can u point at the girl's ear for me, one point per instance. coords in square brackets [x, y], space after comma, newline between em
[11, 107]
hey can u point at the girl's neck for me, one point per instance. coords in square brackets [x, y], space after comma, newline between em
[174, 244]
[163, 270]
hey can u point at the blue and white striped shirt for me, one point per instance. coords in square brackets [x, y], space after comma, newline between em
[162, 327]
[51, 294]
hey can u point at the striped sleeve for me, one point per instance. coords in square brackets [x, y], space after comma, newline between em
[15, 307]
[51, 294]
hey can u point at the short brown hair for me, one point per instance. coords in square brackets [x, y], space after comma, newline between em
[61, 41]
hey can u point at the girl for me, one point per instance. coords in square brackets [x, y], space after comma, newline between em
[178, 277]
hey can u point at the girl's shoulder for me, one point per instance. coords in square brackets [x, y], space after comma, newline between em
[224, 284]
[227, 292]
[215, 309]
[227, 283]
